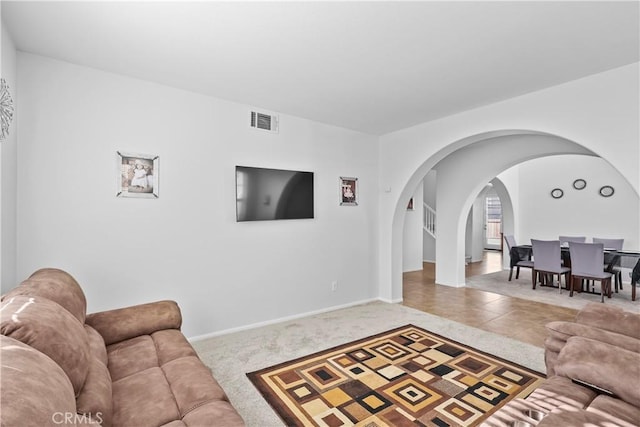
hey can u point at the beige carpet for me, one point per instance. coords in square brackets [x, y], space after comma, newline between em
[231, 356]
[521, 288]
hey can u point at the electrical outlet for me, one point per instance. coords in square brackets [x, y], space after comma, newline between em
[334, 285]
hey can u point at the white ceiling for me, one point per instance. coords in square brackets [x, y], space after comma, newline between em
[369, 66]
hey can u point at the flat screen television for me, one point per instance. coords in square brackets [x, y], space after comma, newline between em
[270, 194]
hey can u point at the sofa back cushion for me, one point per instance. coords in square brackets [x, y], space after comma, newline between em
[95, 398]
[96, 344]
[50, 329]
[55, 285]
[35, 390]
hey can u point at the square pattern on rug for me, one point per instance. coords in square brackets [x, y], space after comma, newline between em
[404, 377]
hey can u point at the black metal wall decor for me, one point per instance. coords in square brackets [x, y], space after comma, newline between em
[606, 191]
[579, 184]
[557, 193]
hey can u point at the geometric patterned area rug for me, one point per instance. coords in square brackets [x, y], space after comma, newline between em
[404, 377]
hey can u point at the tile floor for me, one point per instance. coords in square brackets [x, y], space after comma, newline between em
[516, 318]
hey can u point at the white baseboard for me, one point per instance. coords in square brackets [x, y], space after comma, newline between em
[285, 319]
[391, 301]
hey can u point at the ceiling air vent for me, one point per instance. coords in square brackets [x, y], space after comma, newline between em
[264, 121]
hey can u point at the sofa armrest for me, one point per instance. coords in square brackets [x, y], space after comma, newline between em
[130, 322]
[610, 318]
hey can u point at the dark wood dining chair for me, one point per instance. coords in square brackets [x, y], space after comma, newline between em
[547, 261]
[586, 264]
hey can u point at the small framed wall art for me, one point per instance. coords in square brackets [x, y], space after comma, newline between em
[348, 191]
[410, 206]
[137, 175]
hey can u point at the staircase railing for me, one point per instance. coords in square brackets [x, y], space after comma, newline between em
[429, 220]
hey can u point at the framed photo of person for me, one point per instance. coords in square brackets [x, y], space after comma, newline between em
[348, 191]
[137, 175]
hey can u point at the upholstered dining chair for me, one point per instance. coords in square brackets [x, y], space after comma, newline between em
[612, 261]
[566, 239]
[586, 261]
[564, 243]
[547, 262]
[515, 258]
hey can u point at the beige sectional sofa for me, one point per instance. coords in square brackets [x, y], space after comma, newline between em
[593, 374]
[125, 367]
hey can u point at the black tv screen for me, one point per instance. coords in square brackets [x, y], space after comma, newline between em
[270, 194]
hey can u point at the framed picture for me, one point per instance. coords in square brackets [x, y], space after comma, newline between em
[410, 205]
[137, 175]
[348, 191]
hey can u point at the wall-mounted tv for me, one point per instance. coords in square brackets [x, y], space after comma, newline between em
[269, 194]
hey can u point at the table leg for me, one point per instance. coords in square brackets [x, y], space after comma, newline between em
[635, 276]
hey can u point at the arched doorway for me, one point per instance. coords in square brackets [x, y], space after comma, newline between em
[463, 168]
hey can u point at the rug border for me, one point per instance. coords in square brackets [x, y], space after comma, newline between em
[283, 412]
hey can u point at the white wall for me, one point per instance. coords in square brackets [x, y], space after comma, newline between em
[600, 112]
[8, 171]
[577, 213]
[468, 235]
[413, 233]
[507, 185]
[186, 245]
[475, 227]
[429, 194]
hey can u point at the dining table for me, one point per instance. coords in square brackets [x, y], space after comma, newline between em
[624, 258]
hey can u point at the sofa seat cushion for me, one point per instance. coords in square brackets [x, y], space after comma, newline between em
[170, 345]
[513, 411]
[165, 366]
[570, 417]
[557, 391]
[191, 383]
[606, 405]
[131, 356]
[218, 413]
[143, 399]
[147, 351]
